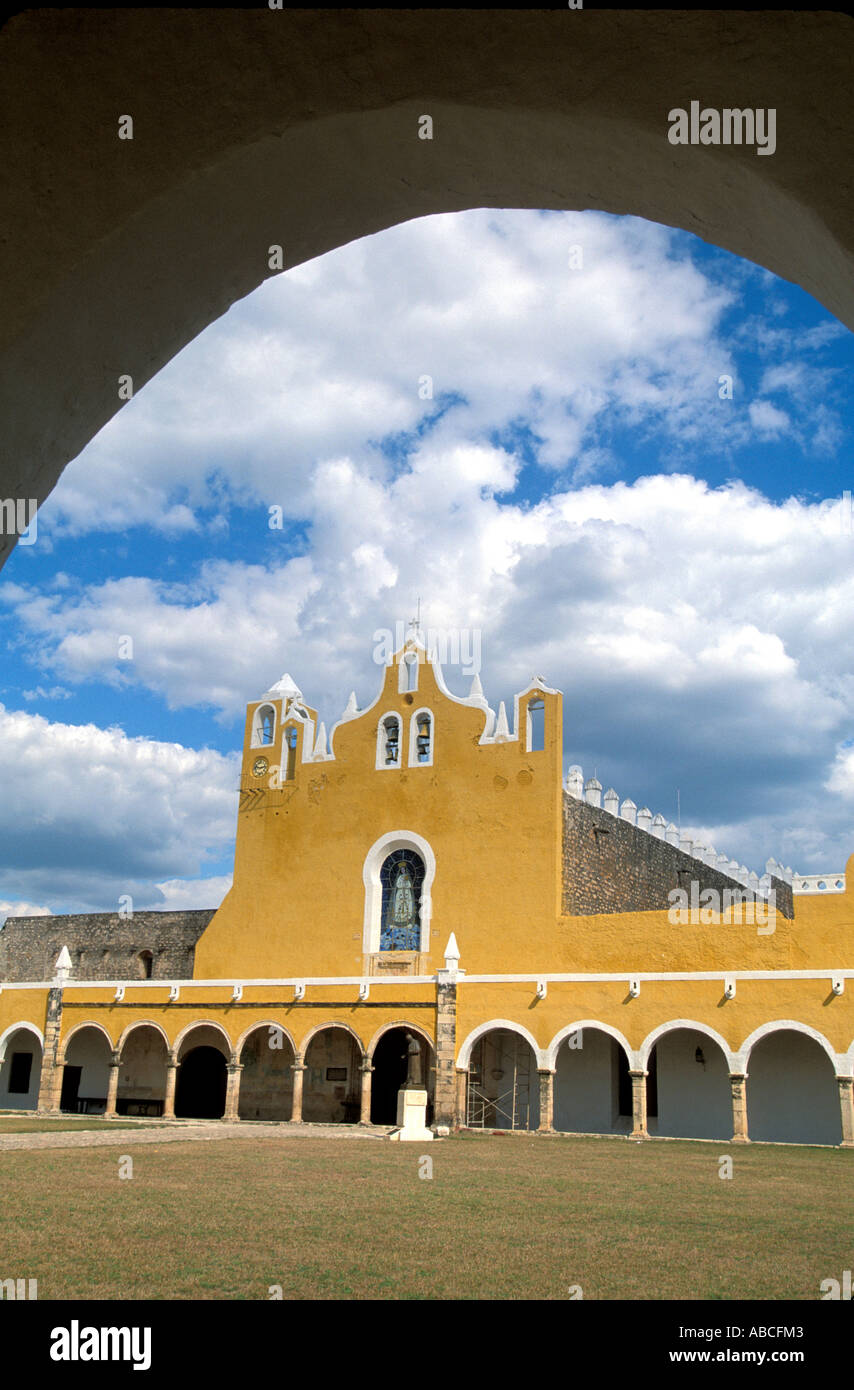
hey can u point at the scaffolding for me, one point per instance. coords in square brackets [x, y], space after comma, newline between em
[498, 1095]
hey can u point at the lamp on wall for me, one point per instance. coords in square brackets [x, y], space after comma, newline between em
[699, 1058]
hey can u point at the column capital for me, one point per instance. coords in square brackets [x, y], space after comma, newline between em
[115, 1059]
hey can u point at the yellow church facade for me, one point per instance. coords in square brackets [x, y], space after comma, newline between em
[427, 873]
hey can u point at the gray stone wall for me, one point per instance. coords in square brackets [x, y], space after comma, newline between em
[610, 865]
[103, 945]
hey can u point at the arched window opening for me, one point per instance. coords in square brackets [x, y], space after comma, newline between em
[291, 751]
[390, 741]
[411, 660]
[536, 726]
[264, 726]
[401, 877]
[423, 738]
[146, 965]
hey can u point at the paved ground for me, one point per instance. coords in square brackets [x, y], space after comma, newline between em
[187, 1130]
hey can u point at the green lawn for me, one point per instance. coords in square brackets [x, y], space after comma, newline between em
[512, 1217]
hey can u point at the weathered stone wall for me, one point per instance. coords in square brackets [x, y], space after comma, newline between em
[610, 865]
[103, 946]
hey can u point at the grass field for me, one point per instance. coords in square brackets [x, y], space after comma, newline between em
[512, 1217]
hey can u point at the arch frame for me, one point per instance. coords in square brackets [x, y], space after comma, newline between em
[203, 1023]
[765, 1030]
[551, 1052]
[692, 1026]
[371, 869]
[412, 760]
[493, 1026]
[253, 1027]
[382, 742]
[390, 1027]
[15, 1028]
[322, 1028]
[144, 1023]
[78, 1027]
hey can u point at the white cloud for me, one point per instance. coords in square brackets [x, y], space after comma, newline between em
[9, 908]
[89, 814]
[767, 419]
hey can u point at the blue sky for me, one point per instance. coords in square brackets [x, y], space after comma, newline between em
[575, 489]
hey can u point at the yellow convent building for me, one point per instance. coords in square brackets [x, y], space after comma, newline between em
[564, 963]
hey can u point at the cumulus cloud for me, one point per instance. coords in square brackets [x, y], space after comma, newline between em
[89, 814]
[768, 419]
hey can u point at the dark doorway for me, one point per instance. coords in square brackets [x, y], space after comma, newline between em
[70, 1086]
[391, 1064]
[200, 1092]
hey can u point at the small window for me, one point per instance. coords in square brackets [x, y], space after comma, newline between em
[336, 1073]
[19, 1073]
[421, 739]
[536, 726]
[390, 741]
[264, 726]
[146, 965]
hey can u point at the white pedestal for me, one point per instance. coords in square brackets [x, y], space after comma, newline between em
[411, 1113]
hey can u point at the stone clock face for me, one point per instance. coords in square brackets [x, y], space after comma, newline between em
[259, 767]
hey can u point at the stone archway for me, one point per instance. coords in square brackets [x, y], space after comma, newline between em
[592, 1084]
[318, 145]
[20, 1068]
[267, 1079]
[503, 1090]
[203, 1053]
[86, 1073]
[332, 1084]
[390, 1067]
[694, 1097]
[792, 1092]
[142, 1071]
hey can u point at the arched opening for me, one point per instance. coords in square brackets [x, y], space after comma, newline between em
[202, 1079]
[86, 1074]
[263, 726]
[267, 1079]
[792, 1094]
[536, 725]
[694, 1097]
[421, 746]
[388, 742]
[332, 1081]
[401, 878]
[503, 1083]
[390, 1069]
[592, 1085]
[290, 753]
[145, 961]
[20, 1071]
[142, 1072]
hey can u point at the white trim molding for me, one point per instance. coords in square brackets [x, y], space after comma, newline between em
[464, 1054]
[782, 1025]
[16, 1028]
[551, 1052]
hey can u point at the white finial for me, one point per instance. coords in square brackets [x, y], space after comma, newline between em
[575, 782]
[658, 827]
[476, 692]
[62, 969]
[644, 818]
[502, 733]
[593, 791]
[611, 802]
[671, 834]
[320, 749]
[629, 811]
[452, 953]
[352, 707]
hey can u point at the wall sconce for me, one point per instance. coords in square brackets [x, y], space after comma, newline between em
[729, 989]
[236, 993]
[838, 984]
[364, 991]
[634, 988]
[174, 993]
[299, 991]
[119, 994]
[542, 989]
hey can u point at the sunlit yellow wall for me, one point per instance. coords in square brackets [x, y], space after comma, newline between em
[492, 815]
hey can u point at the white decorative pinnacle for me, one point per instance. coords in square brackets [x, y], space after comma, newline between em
[575, 782]
[476, 692]
[502, 733]
[593, 791]
[352, 707]
[320, 750]
[452, 954]
[62, 969]
[612, 802]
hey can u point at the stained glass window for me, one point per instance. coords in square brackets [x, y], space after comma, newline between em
[401, 876]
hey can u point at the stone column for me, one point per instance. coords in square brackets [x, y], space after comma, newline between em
[367, 1071]
[232, 1093]
[171, 1081]
[461, 1106]
[737, 1081]
[546, 1101]
[296, 1110]
[112, 1086]
[639, 1130]
[846, 1105]
[445, 1097]
[50, 1083]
